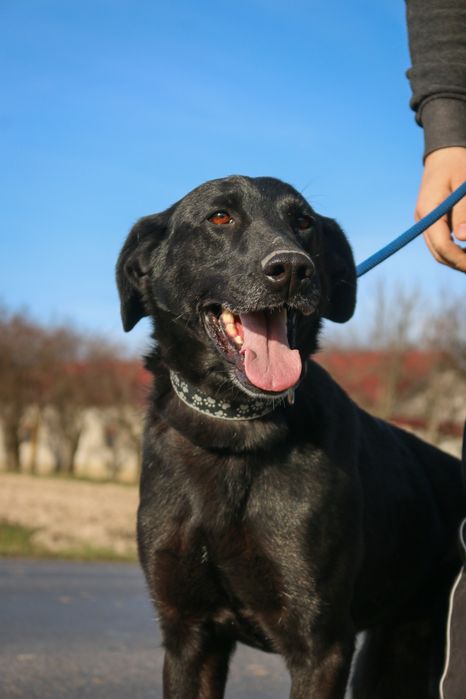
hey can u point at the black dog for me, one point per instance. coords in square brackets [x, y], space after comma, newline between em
[289, 526]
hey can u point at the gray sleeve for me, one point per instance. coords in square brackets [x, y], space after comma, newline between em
[437, 43]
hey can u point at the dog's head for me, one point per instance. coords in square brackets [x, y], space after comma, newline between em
[237, 276]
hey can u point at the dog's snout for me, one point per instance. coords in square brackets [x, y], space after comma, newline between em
[287, 269]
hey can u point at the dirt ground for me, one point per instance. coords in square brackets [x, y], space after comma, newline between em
[68, 515]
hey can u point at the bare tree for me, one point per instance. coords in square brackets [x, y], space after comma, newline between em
[123, 416]
[445, 396]
[93, 373]
[50, 377]
[392, 334]
[23, 367]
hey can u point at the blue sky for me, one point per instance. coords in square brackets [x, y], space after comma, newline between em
[112, 109]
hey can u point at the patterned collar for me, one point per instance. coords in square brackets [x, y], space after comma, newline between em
[247, 409]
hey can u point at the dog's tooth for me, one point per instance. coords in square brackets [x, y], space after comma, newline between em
[238, 339]
[228, 317]
[231, 329]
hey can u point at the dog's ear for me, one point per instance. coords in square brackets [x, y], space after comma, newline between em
[338, 263]
[133, 266]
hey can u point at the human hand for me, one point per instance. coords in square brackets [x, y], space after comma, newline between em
[444, 171]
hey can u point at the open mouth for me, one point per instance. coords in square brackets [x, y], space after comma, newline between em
[260, 344]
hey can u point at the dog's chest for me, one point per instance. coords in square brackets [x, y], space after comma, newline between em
[231, 547]
[224, 577]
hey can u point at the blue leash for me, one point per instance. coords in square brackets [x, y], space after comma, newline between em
[412, 232]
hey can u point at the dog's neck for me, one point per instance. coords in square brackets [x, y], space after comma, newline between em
[248, 408]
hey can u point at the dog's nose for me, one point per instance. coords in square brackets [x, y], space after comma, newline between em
[287, 268]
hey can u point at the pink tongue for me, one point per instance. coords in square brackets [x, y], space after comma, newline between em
[269, 362]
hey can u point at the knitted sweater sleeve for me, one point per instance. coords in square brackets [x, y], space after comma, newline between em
[437, 42]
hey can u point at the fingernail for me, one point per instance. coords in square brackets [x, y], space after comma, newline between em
[462, 231]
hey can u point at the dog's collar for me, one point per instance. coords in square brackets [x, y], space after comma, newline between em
[246, 409]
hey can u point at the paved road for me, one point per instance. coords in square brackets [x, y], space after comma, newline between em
[87, 631]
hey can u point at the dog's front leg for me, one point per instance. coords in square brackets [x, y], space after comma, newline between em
[322, 676]
[196, 664]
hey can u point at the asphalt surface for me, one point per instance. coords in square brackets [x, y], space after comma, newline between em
[82, 631]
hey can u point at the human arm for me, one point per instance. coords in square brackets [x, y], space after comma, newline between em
[437, 31]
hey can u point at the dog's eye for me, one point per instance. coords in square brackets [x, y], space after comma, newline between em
[220, 218]
[304, 222]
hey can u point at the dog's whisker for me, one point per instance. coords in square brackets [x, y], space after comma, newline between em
[347, 282]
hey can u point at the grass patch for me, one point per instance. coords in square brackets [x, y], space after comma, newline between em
[74, 478]
[16, 542]
[88, 553]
